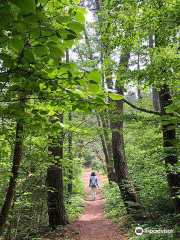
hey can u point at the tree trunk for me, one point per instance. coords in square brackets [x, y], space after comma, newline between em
[155, 100]
[55, 199]
[110, 172]
[138, 83]
[155, 93]
[108, 144]
[129, 196]
[69, 145]
[139, 96]
[171, 158]
[13, 178]
[70, 185]
[169, 132]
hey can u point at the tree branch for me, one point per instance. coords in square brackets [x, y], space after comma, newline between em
[142, 109]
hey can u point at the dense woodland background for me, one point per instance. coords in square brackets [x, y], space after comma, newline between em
[89, 83]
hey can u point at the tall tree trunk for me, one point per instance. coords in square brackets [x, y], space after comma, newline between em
[128, 192]
[155, 93]
[55, 199]
[126, 187]
[169, 131]
[70, 185]
[13, 179]
[155, 100]
[108, 144]
[171, 158]
[69, 144]
[138, 83]
[109, 167]
[122, 175]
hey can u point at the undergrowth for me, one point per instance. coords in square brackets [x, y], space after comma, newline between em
[115, 210]
[75, 203]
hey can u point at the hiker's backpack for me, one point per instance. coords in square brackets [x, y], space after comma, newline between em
[93, 182]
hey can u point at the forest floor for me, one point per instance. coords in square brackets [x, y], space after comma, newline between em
[93, 223]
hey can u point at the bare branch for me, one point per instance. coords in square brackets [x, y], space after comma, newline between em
[142, 109]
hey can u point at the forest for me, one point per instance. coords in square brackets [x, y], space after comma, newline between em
[89, 86]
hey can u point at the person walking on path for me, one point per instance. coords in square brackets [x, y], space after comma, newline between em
[93, 184]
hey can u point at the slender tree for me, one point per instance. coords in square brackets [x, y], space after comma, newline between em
[70, 184]
[14, 176]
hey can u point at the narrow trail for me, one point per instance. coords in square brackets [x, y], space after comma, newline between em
[93, 223]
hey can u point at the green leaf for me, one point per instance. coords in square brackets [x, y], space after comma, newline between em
[56, 50]
[81, 10]
[79, 36]
[93, 87]
[114, 96]
[27, 5]
[5, 57]
[5, 19]
[76, 1]
[171, 108]
[20, 26]
[17, 44]
[41, 50]
[63, 19]
[7, 61]
[3, 40]
[94, 75]
[66, 2]
[76, 26]
[73, 65]
[42, 1]
[67, 34]
[29, 56]
[79, 17]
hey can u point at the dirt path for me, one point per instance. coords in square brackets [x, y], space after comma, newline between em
[93, 223]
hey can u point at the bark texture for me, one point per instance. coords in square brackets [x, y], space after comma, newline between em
[56, 209]
[55, 199]
[107, 152]
[128, 193]
[70, 185]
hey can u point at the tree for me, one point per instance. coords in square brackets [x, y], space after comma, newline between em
[32, 41]
[13, 179]
[56, 209]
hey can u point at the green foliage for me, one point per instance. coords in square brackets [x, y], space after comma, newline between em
[114, 206]
[38, 85]
[145, 158]
[114, 96]
[76, 206]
